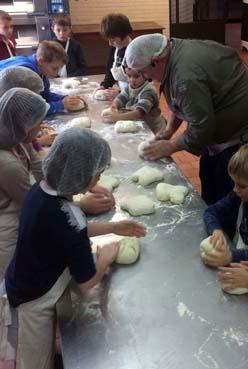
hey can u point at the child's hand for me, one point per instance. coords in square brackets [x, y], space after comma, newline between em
[104, 191]
[47, 140]
[218, 240]
[220, 257]
[110, 115]
[234, 276]
[96, 203]
[107, 254]
[112, 92]
[70, 101]
[129, 228]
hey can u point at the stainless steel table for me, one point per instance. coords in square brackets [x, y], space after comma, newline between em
[166, 311]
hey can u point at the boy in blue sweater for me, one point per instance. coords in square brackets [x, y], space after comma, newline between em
[48, 60]
[230, 216]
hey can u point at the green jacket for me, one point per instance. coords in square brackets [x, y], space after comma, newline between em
[206, 84]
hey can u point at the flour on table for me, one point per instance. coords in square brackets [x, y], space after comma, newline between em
[174, 194]
[81, 122]
[70, 84]
[129, 250]
[108, 182]
[138, 205]
[147, 175]
[125, 126]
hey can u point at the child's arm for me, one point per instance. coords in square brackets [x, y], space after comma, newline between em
[129, 228]
[113, 116]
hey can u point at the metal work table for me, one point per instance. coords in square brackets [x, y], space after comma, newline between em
[167, 310]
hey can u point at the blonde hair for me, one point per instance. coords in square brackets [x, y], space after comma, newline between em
[238, 164]
[51, 51]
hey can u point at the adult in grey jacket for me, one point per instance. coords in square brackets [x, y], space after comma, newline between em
[205, 84]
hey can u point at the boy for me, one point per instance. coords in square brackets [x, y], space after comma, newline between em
[230, 215]
[116, 28]
[48, 60]
[140, 101]
[76, 65]
[7, 41]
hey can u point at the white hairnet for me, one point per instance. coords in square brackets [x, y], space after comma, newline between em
[74, 158]
[142, 49]
[20, 77]
[20, 110]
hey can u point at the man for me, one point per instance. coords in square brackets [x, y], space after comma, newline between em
[205, 84]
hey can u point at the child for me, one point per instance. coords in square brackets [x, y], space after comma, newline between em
[140, 101]
[230, 216]
[53, 244]
[48, 60]
[76, 65]
[7, 41]
[116, 28]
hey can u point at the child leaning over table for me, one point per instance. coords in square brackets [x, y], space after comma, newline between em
[137, 101]
[230, 215]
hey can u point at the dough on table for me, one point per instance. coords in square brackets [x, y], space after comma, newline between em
[100, 95]
[81, 122]
[125, 126]
[129, 250]
[108, 182]
[235, 291]
[174, 194]
[79, 106]
[206, 245]
[138, 205]
[71, 83]
[147, 175]
[141, 148]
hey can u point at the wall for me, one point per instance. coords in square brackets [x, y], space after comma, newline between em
[92, 11]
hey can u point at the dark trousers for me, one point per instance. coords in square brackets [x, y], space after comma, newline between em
[215, 180]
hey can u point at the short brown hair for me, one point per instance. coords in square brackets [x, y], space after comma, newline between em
[61, 20]
[51, 51]
[115, 25]
[238, 164]
[5, 16]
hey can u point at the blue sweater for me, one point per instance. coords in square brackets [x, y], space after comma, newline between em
[223, 215]
[54, 100]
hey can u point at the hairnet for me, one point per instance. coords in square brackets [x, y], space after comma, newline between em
[20, 110]
[74, 158]
[142, 49]
[20, 77]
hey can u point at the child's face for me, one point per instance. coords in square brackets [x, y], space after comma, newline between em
[117, 42]
[62, 32]
[240, 187]
[50, 70]
[6, 28]
[135, 79]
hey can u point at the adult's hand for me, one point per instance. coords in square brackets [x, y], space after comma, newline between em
[160, 149]
[107, 254]
[164, 134]
[129, 228]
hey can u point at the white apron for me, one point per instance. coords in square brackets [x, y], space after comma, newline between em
[118, 73]
[238, 242]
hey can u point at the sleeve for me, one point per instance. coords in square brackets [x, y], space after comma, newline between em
[147, 100]
[35, 163]
[239, 255]
[223, 215]
[194, 100]
[122, 98]
[109, 80]
[53, 99]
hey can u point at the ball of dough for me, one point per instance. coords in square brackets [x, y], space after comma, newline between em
[206, 245]
[108, 182]
[101, 95]
[81, 122]
[125, 126]
[141, 148]
[79, 106]
[70, 84]
[174, 194]
[138, 205]
[147, 175]
[129, 250]
[235, 291]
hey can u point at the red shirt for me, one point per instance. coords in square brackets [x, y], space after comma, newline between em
[4, 52]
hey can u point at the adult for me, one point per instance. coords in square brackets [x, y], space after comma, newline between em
[205, 84]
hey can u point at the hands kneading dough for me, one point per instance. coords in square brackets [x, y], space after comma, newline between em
[81, 122]
[129, 250]
[138, 205]
[141, 148]
[125, 126]
[100, 95]
[147, 175]
[174, 194]
[70, 84]
[108, 182]
[78, 106]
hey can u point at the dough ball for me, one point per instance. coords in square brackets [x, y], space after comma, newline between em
[147, 175]
[105, 119]
[206, 245]
[70, 84]
[81, 122]
[174, 194]
[79, 106]
[108, 182]
[101, 95]
[129, 250]
[138, 205]
[141, 148]
[125, 126]
[235, 291]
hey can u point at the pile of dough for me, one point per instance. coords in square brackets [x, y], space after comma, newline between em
[138, 205]
[147, 175]
[125, 126]
[108, 182]
[70, 83]
[235, 291]
[79, 106]
[129, 250]
[174, 194]
[101, 95]
[141, 148]
[81, 122]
